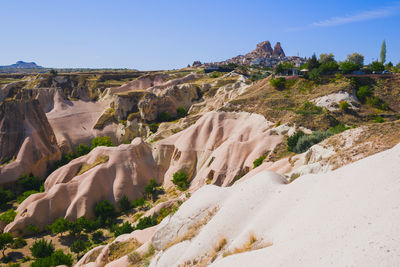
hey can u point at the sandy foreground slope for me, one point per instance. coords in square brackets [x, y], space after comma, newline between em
[348, 217]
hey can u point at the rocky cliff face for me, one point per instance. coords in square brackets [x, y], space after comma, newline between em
[262, 50]
[27, 140]
[278, 51]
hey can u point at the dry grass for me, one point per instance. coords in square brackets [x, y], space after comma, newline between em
[251, 244]
[194, 229]
[119, 249]
[136, 259]
[99, 160]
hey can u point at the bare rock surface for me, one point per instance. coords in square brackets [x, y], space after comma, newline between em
[27, 142]
[343, 217]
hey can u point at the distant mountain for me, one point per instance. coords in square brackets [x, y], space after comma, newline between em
[22, 65]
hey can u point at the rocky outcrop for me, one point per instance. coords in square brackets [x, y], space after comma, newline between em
[27, 140]
[73, 190]
[262, 50]
[220, 146]
[141, 83]
[253, 222]
[278, 51]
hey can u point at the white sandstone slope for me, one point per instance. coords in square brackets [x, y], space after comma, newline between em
[347, 217]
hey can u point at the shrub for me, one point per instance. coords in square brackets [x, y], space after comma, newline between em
[124, 204]
[348, 67]
[42, 249]
[42, 262]
[163, 116]
[181, 112]
[379, 119]
[104, 210]
[78, 246]
[344, 105]
[153, 127]
[60, 226]
[6, 240]
[315, 75]
[59, 258]
[125, 228]
[292, 141]
[338, 128]
[151, 188]
[180, 179]
[146, 222]
[215, 74]
[363, 92]
[101, 141]
[82, 150]
[377, 66]
[5, 196]
[29, 182]
[138, 202]
[19, 242]
[8, 216]
[74, 228]
[25, 195]
[278, 83]
[309, 108]
[98, 237]
[307, 141]
[258, 161]
[33, 228]
[87, 225]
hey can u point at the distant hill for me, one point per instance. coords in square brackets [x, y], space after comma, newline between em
[22, 65]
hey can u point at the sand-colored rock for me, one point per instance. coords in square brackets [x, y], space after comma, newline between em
[219, 147]
[70, 195]
[340, 218]
[26, 140]
[332, 101]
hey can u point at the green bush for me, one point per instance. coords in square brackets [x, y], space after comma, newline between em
[344, 105]
[6, 241]
[138, 202]
[181, 112]
[5, 197]
[163, 116]
[98, 237]
[278, 83]
[28, 182]
[8, 216]
[315, 75]
[349, 67]
[153, 127]
[377, 66]
[379, 119]
[59, 258]
[82, 150]
[124, 204]
[42, 262]
[19, 242]
[338, 128]
[101, 141]
[104, 210]
[60, 226]
[215, 74]
[292, 140]
[42, 249]
[309, 108]
[78, 246]
[125, 228]
[146, 222]
[307, 141]
[363, 92]
[180, 179]
[258, 161]
[151, 188]
[25, 195]
[87, 225]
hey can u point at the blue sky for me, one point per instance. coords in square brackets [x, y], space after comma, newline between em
[171, 34]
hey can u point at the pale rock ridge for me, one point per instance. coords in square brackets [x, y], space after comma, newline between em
[343, 217]
[27, 141]
[70, 195]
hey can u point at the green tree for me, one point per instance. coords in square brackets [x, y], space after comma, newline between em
[125, 228]
[87, 225]
[279, 69]
[146, 222]
[8, 216]
[5, 197]
[59, 258]
[42, 249]
[180, 179]
[104, 210]
[33, 229]
[348, 66]
[377, 66]
[383, 52]
[356, 58]
[363, 93]
[326, 58]
[181, 112]
[60, 226]
[78, 246]
[151, 188]
[124, 204]
[313, 62]
[19, 242]
[6, 240]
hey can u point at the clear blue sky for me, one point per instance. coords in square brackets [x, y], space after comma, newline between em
[150, 34]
